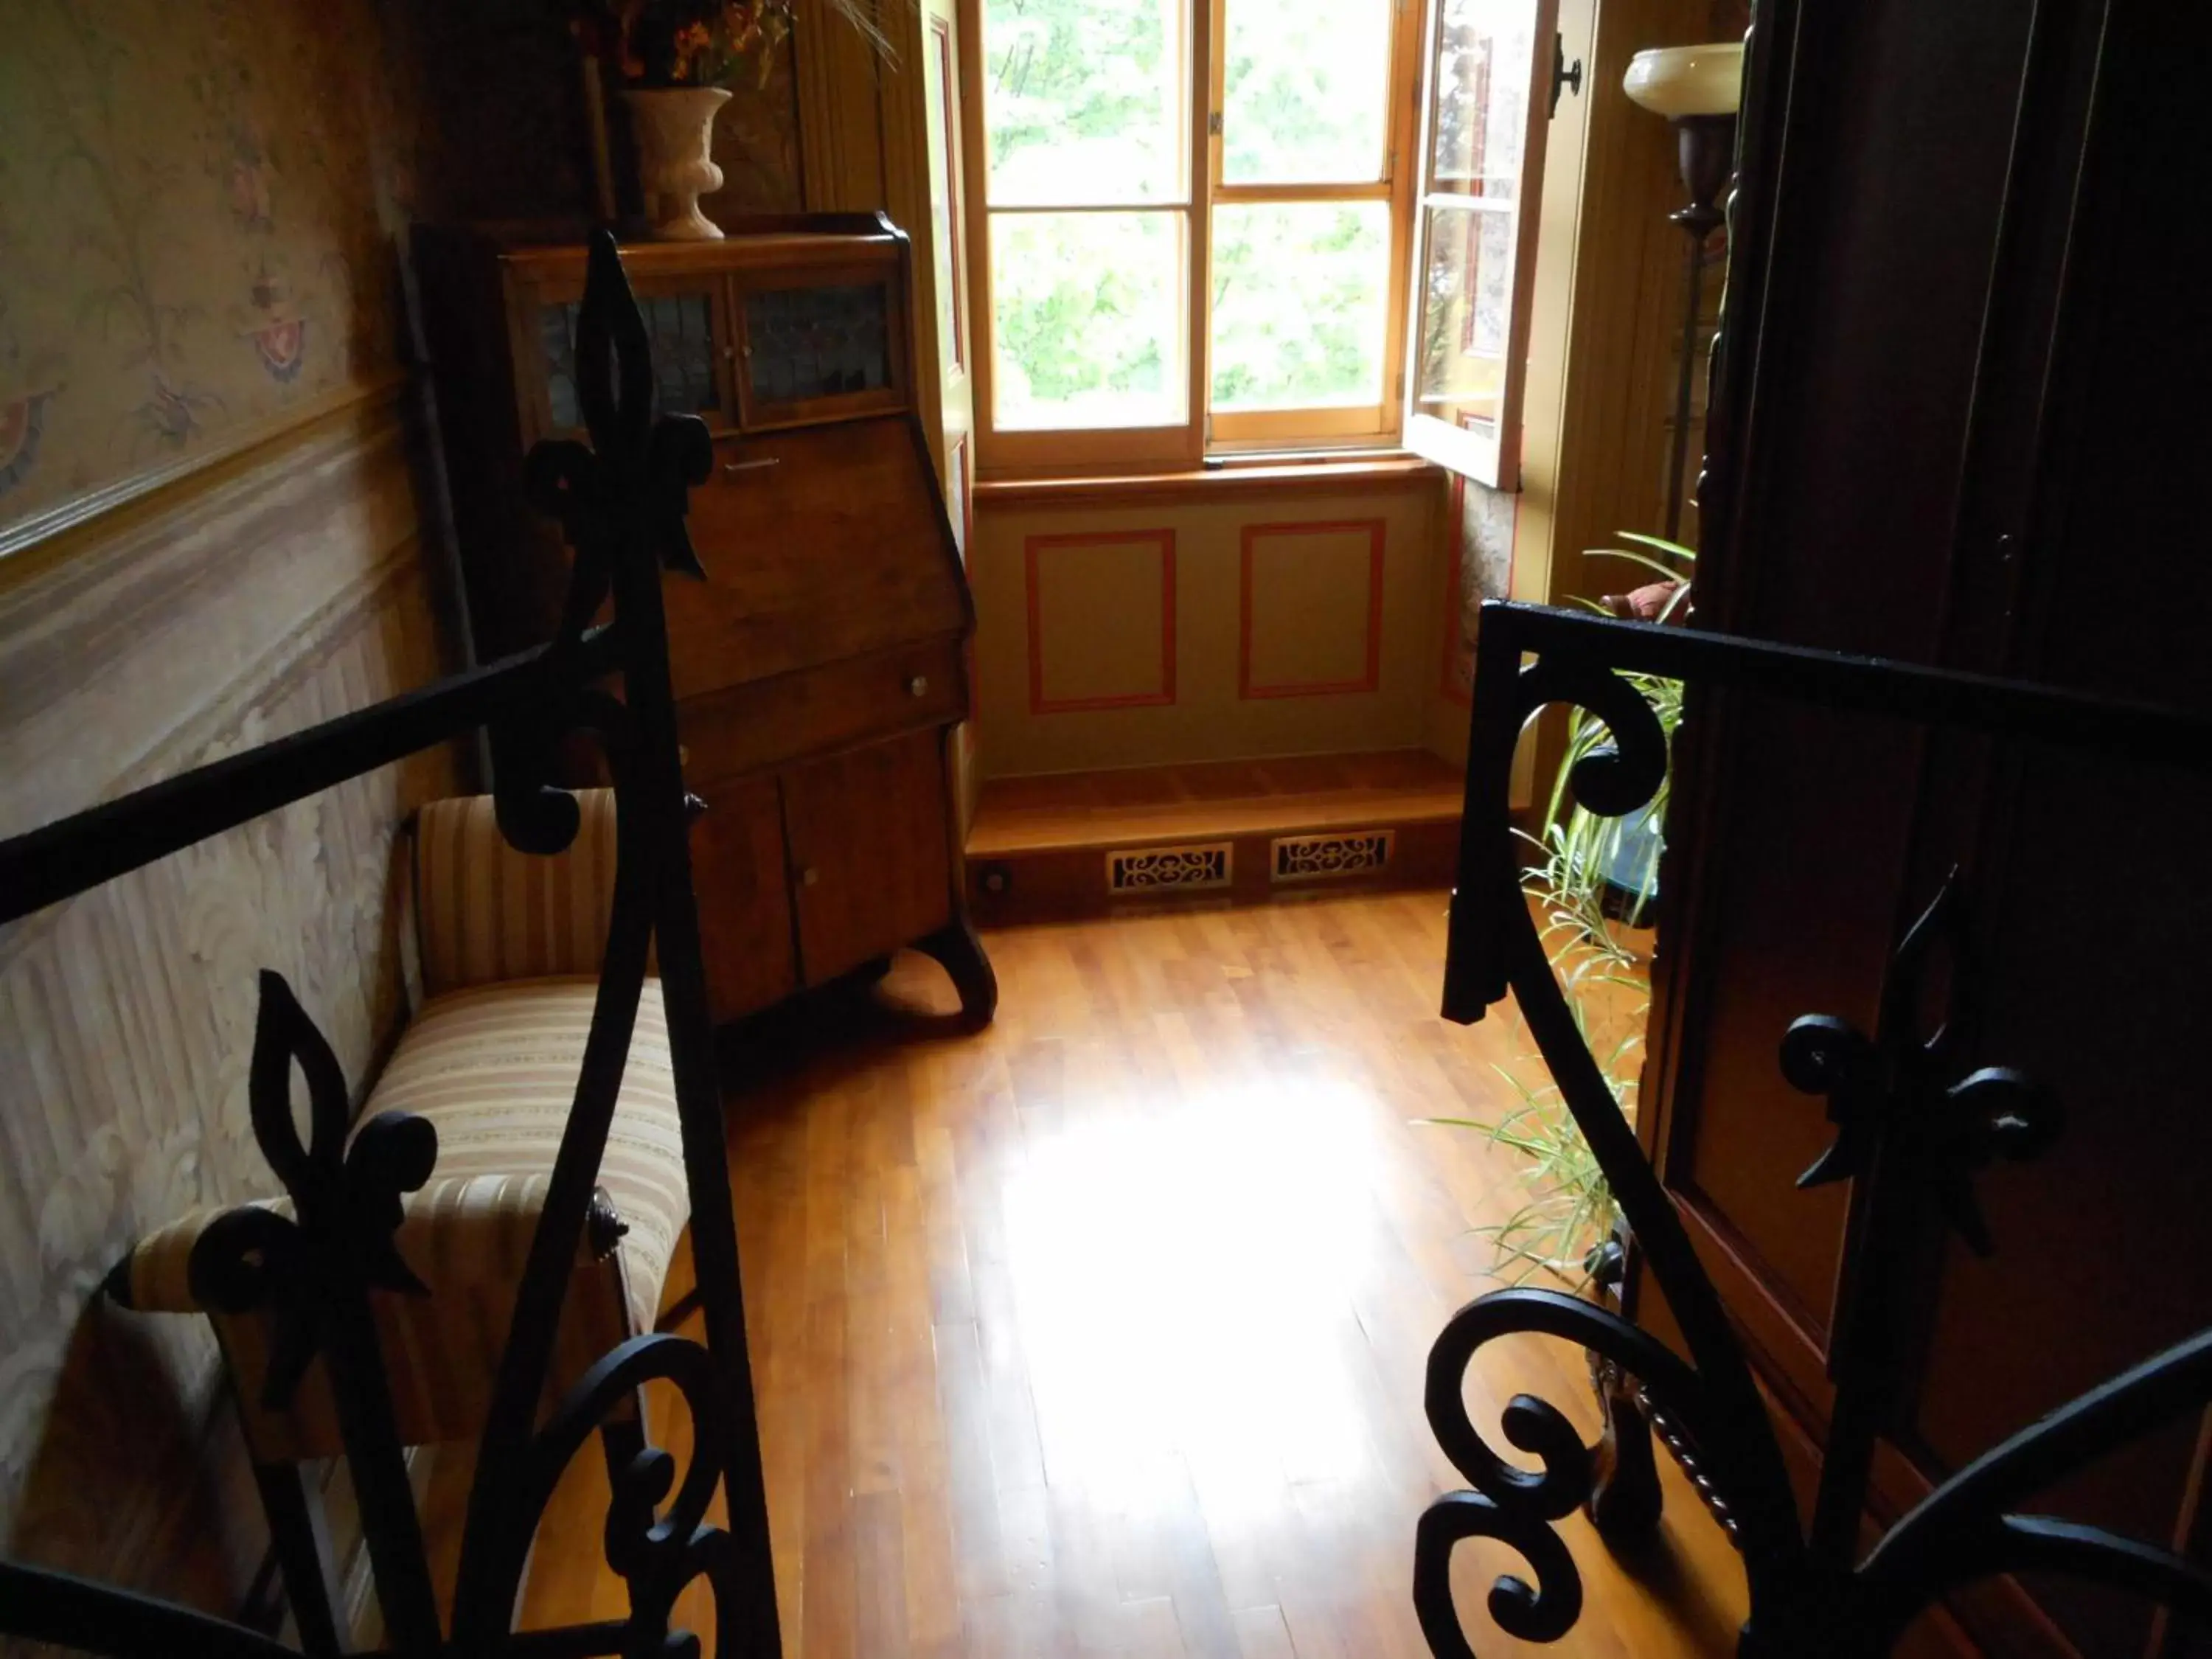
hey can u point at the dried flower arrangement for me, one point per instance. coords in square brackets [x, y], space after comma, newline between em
[695, 43]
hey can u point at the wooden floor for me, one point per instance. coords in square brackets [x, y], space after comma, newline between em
[1101, 1333]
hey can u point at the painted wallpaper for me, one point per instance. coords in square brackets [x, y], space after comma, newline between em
[200, 205]
[757, 143]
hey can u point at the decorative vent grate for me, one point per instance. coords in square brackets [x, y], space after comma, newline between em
[1168, 869]
[1318, 858]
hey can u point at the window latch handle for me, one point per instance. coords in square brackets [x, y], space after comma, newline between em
[1562, 77]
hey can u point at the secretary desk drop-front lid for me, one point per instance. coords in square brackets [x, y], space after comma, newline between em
[823, 530]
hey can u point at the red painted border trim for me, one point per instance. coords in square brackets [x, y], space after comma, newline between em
[1371, 680]
[1165, 540]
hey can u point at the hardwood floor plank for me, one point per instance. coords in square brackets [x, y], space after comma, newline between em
[1261, 1634]
[879, 1625]
[973, 1492]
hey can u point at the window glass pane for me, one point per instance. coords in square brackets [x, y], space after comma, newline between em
[1466, 292]
[1083, 101]
[1088, 311]
[816, 342]
[1300, 300]
[1306, 91]
[1480, 120]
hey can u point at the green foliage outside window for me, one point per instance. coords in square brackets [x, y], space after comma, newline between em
[1084, 106]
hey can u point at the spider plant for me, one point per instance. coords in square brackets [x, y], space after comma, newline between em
[1569, 1209]
[1580, 853]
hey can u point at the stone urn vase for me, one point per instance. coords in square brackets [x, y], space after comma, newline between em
[674, 129]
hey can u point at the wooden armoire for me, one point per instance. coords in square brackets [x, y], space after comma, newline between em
[1958, 418]
[821, 667]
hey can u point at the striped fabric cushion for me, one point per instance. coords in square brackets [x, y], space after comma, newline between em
[494, 1069]
[485, 913]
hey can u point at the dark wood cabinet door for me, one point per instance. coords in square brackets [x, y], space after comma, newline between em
[744, 901]
[870, 852]
[820, 545]
[1950, 433]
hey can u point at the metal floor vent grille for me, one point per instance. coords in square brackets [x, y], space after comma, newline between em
[1319, 858]
[1169, 869]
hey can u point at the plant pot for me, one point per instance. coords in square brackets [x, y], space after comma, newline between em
[674, 130]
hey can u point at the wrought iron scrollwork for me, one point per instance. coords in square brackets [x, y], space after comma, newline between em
[1514, 1504]
[312, 1272]
[1895, 1082]
[1966, 1528]
[658, 1540]
[346, 1200]
[1915, 1127]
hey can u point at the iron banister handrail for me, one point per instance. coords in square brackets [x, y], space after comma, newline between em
[71, 855]
[2116, 728]
[2151, 733]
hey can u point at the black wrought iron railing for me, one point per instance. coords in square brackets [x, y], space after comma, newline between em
[1912, 1134]
[621, 501]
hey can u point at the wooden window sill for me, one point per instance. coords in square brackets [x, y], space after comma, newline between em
[1314, 477]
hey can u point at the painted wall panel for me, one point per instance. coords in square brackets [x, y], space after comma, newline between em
[1210, 717]
[1101, 624]
[1311, 604]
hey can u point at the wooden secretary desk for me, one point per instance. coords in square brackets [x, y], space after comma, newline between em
[820, 669]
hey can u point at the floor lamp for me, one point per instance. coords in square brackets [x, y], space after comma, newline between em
[1696, 88]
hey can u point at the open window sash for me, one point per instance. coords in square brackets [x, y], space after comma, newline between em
[1486, 107]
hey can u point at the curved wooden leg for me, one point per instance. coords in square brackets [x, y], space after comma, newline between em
[961, 953]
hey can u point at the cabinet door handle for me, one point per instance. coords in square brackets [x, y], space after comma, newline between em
[730, 469]
[918, 686]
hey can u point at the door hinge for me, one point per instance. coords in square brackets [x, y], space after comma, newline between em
[1213, 123]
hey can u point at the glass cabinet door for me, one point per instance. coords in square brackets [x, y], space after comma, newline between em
[681, 326]
[824, 351]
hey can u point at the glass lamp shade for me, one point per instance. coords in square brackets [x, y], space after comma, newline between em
[1683, 81]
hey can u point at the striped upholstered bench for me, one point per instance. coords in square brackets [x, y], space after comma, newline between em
[509, 947]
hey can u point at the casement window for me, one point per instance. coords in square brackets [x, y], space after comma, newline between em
[1202, 226]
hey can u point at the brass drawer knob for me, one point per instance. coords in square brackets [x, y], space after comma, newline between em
[918, 686]
[809, 877]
